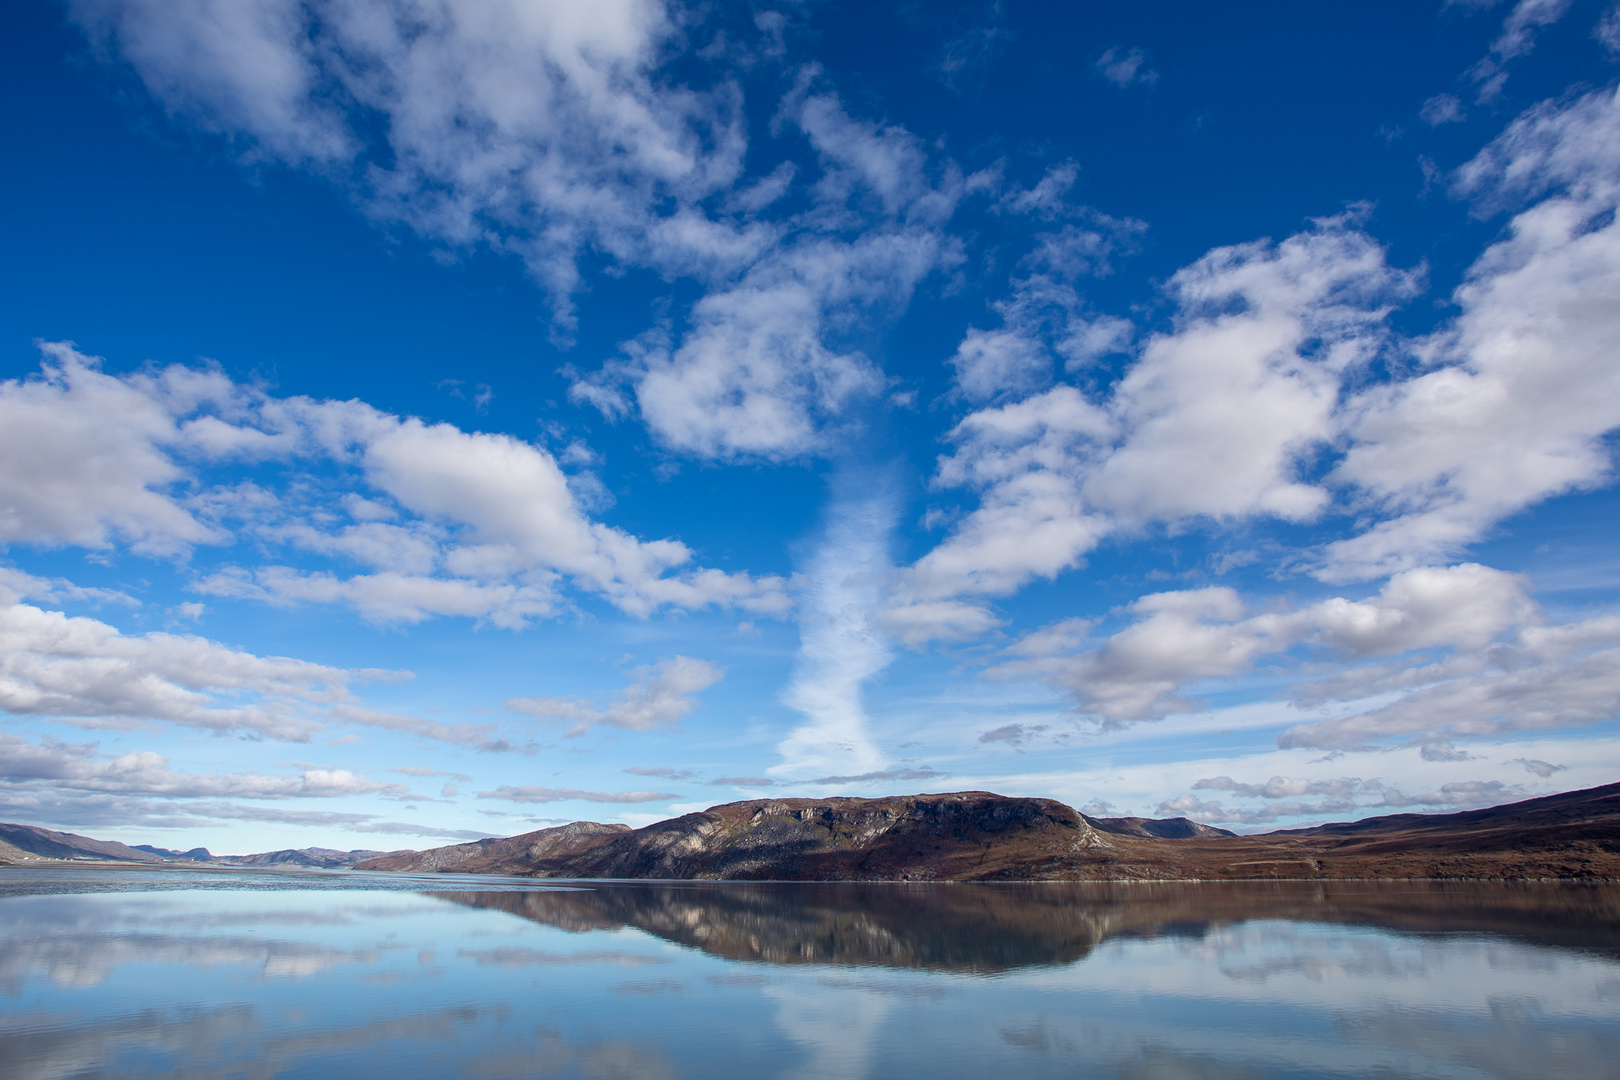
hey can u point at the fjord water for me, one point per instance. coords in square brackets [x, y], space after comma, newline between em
[135, 973]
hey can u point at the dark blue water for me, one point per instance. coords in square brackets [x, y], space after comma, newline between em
[208, 974]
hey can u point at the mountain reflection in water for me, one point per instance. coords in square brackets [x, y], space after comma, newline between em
[990, 928]
[155, 974]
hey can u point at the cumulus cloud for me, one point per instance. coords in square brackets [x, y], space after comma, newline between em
[52, 664]
[1522, 388]
[1045, 320]
[553, 133]
[658, 696]
[1226, 416]
[759, 373]
[83, 459]
[59, 767]
[1465, 644]
[486, 526]
[1217, 420]
[539, 129]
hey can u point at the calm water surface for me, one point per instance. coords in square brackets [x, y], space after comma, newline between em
[211, 974]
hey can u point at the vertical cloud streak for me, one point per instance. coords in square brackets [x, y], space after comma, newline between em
[841, 645]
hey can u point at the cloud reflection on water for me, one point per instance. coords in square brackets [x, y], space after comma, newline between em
[843, 982]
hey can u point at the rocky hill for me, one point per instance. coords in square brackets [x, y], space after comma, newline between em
[979, 836]
[511, 855]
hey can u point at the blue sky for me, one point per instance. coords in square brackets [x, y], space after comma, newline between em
[424, 420]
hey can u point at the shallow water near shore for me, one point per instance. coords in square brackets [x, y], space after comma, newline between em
[135, 973]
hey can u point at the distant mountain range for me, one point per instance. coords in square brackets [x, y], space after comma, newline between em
[968, 836]
[979, 836]
[22, 845]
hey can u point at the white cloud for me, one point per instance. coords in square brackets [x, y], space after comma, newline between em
[1607, 30]
[1550, 678]
[1522, 388]
[842, 644]
[83, 460]
[1217, 419]
[658, 696]
[1345, 796]
[1045, 318]
[1453, 623]
[494, 529]
[552, 130]
[1123, 67]
[758, 373]
[1030, 521]
[1226, 416]
[17, 585]
[755, 376]
[55, 665]
[78, 767]
[1518, 38]
[1442, 109]
[1216, 416]
[539, 128]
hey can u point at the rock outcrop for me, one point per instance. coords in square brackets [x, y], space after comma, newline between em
[967, 835]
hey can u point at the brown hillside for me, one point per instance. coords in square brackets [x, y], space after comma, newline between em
[511, 855]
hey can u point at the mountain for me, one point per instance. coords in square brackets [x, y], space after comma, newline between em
[25, 844]
[979, 836]
[973, 836]
[512, 855]
[194, 855]
[31, 843]
[1176, 828]
[310, 858]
